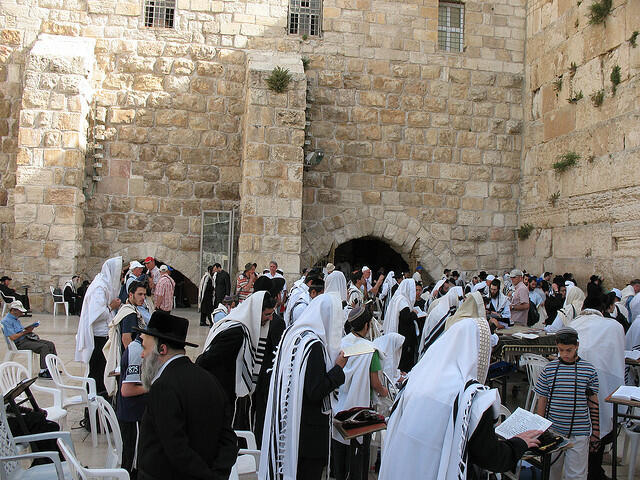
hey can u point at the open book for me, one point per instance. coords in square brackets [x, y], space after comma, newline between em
[521, 421]
[625, 392]
[528, 336]
[359, 348]
[632, 354]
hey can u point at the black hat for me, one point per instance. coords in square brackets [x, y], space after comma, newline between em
[167, 327]
[262, 283]
[5, 278]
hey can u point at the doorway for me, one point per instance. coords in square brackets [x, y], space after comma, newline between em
[371, 252]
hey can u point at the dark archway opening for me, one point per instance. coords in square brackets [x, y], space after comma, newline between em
[186, 292]
[371, 252]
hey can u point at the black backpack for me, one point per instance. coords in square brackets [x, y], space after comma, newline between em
[533, 316]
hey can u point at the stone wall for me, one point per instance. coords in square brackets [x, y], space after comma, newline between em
[422, 148]
[594, 226]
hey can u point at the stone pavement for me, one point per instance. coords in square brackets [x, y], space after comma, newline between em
[62, 330]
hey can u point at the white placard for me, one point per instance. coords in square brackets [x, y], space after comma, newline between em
[521, 421]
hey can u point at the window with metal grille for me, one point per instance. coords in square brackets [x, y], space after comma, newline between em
[451, 26]
[305, 16]
[159, 13]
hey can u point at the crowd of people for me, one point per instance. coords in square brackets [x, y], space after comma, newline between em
[274, 362]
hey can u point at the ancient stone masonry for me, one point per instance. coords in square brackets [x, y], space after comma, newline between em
[594, 226]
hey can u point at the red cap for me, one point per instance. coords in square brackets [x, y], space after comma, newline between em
[148, 259]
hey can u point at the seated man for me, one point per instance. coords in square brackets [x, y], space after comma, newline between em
[7, 291]
[24, 338]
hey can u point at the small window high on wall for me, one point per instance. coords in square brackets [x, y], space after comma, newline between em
[451, 26]
[304, 17]
[159, 13]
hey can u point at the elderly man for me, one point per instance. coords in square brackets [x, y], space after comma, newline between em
[164, 290]
[520, 300]
[7, 291]
[24, 338]
[185, 433]
[244, 283]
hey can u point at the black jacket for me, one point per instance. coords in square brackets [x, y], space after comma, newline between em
[185, 433]
[222, 286]
[314, 425]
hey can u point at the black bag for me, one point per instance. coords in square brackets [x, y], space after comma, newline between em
[533, 316]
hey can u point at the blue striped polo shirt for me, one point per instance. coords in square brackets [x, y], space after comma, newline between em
[567, 397]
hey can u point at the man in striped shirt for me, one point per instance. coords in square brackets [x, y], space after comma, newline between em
[567, 395]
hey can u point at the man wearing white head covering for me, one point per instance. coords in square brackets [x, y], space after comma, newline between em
[483, 286]
[602, 345]
[98, 308]
[337, 283]
[435, 322]
[442, 425]
[307, 368]
[626, 295]
[231, 352]
[633, 303]
[570, 310]
[390, 346]
[401, 318]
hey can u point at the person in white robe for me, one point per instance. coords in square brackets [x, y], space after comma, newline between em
[602, 344]
[570, 310]
[431, 433]
[336, 282]
[98, 308]
[435, 322]
[282, 442]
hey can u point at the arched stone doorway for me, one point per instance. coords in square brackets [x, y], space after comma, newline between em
[371, 252]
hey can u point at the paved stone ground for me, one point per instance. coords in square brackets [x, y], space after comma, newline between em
[62, 330]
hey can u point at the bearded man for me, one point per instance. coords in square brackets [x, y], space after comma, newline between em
[185, 433]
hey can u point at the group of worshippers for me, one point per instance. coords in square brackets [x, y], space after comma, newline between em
[275, 363]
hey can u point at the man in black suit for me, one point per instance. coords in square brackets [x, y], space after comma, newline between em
[222, 286]
[185, 433]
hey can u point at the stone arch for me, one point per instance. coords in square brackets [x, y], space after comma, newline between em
[403, 233]
[188, 263]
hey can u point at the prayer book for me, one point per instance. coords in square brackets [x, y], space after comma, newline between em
[625, 392]
[359, 348]
[521, 421]
[632, 354]
[528, 336]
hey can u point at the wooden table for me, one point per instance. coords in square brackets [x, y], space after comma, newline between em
[614, 447]
[510, 346]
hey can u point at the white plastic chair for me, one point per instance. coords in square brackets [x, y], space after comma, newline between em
[12, 373]
[81, 398]
[7, 300]
[534, 365]
[111, 428]
[79, 472]
[11, 467]
[58, 299]
[248, 459]
[12, 351]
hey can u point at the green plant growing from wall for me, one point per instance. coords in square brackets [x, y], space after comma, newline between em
[633, 37]
[576, 97]
[306, 61]
[279, 79]
[566, 161]
[573, 68]
[557, 85]
[553, 198]
[615, 78]
[305, 37]
[597, 98]
[599, 11]
[525, 231]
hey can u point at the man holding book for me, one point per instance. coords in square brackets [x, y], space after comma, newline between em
[567, 392]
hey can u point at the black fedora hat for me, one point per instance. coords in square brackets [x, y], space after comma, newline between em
[167, 327]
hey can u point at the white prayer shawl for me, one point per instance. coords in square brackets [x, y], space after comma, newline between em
[404, 297]
[634, 308]
[299, 307]
[434, 325]
[436, 288]
[356, 389]
[472, 307]
[248, 315]
[424, 440]
[354, 294]
[101, 292]
[602, 344]
[632, 337]
[296, 294]
[202, 287]
[321, 322]
[336, 282]
[627, 292]
[388, 281]
[112, 350]
[390, 348]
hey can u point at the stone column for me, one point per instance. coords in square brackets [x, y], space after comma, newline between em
[50, 163]
[271, 192]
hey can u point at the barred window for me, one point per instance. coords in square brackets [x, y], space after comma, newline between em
[304, 17]
[451, 26]
[159, 13]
